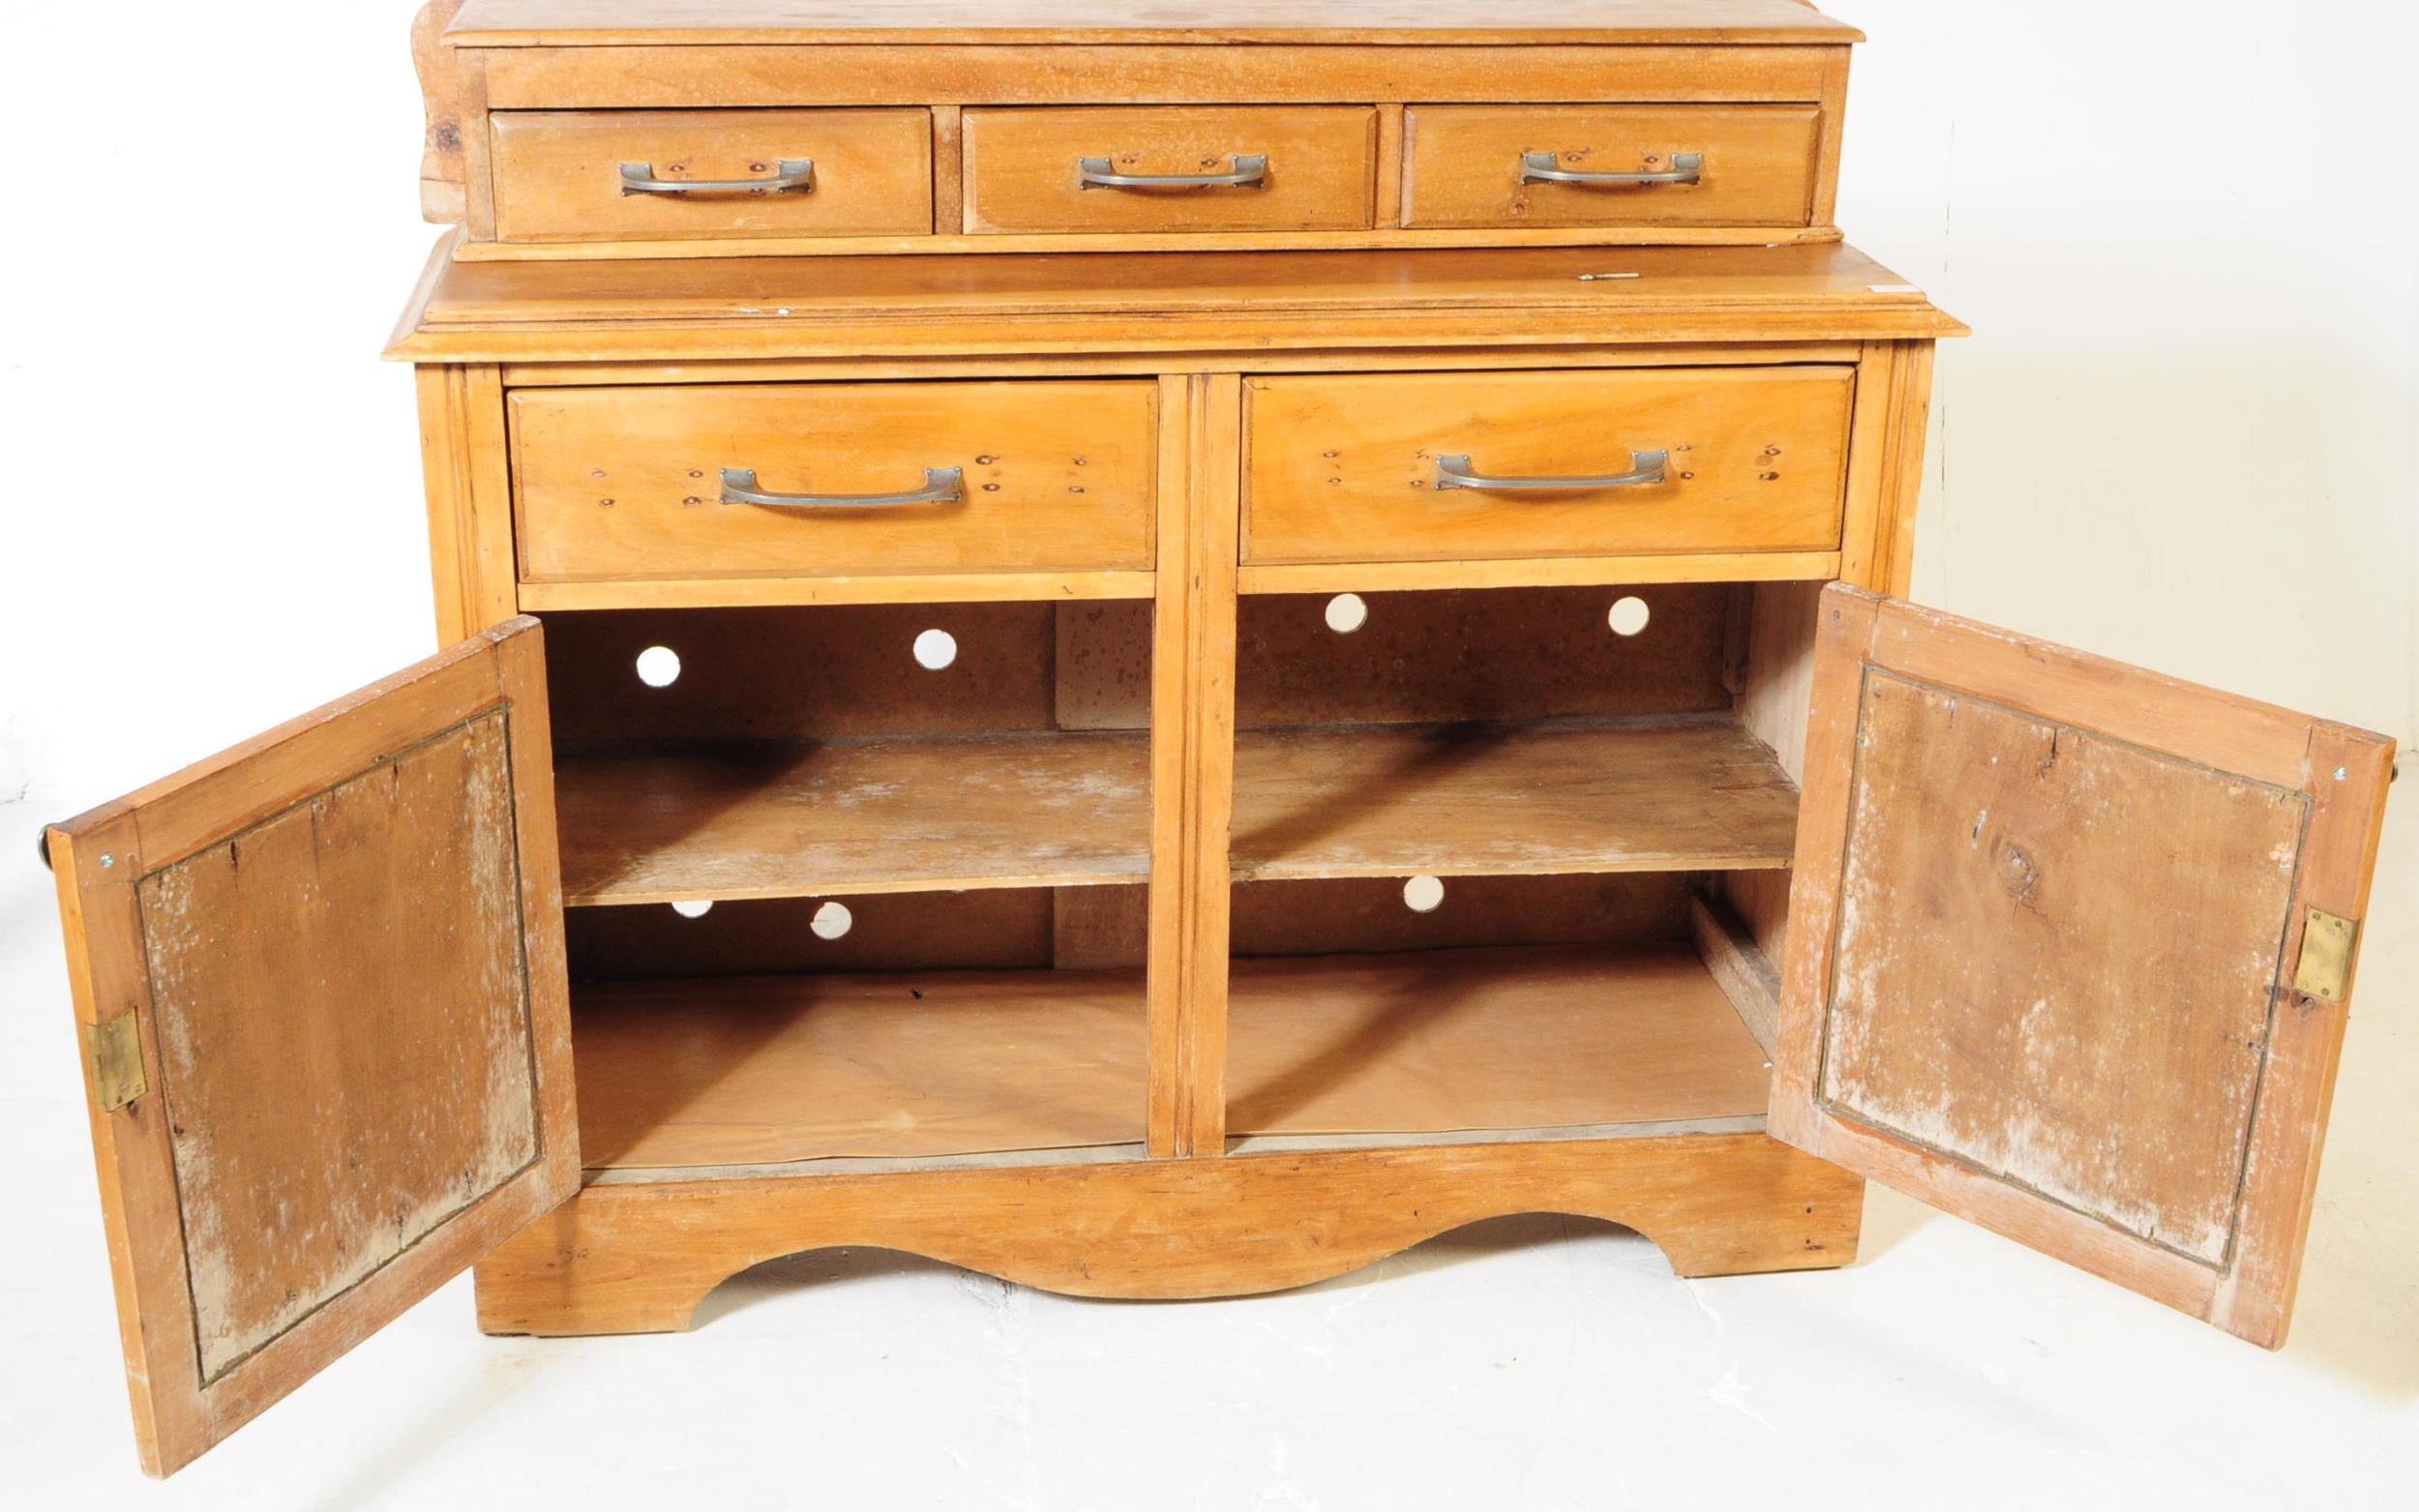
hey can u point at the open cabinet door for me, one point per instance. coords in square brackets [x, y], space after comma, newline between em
[2068, 951]
[320, 985]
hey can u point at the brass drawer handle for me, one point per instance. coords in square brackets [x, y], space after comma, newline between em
[798, 173]
[1538, 167]
[941, 486]
[1252, 171]
[1645, 469]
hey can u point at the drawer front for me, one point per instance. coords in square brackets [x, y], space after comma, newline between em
[1347, 469]
[1480, 166]
[629, 482]
[559, 173]
[1025, 168]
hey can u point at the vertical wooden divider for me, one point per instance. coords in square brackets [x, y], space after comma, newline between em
[1192, 758]
[464, 461]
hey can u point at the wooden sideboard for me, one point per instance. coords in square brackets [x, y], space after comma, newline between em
[1179, 775]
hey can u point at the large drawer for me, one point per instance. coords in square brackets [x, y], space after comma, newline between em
[1446, 467]
[630, 481]
[1287, 168]
[587, 175]
[1612, 165]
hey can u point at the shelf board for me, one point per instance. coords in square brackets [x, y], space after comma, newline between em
[741, 1071]
[1503, 1038]
[1045, 809]
[1687, 792]
[1422, 1046]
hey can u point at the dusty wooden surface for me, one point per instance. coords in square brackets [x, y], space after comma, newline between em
[2039, 969]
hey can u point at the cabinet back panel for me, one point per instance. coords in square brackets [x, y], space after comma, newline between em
[1355, 915]
[800, 673]
[1480, 654]
[993, 929]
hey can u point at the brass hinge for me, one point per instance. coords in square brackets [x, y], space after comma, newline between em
[116, 1052]
[2326, 954]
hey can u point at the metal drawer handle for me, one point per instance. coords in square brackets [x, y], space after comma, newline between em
[1645, 469]
[941, 486]
[1252, 171]
[798, 173]
[1538, 167]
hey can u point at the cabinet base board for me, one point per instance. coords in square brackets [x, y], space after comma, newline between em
[640, 1258]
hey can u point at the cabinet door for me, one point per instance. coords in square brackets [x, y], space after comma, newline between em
[2069, 948]
[319, 981]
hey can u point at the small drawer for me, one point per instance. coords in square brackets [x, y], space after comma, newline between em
[832, 479]
[590, 175]
[1445, 466]
[1496, 166]
[1186, 168]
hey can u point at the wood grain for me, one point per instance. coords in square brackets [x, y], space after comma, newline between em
[1192, 755]
[1656, 793]
[1449, 1041]
[2110, 1053]
[319, 1147]
[861, 309]
[1464, 166]
[739, 1070]
[558, 173]
[639, 1257]
[1020, 169]
[1344, 467]
[623, 483]
[870, 816]
[495, 24]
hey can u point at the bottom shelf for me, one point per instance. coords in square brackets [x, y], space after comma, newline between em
[1321, 1050]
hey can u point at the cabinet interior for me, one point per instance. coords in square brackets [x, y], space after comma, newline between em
[829, 904]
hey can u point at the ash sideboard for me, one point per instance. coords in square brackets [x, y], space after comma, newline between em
[1179, 774]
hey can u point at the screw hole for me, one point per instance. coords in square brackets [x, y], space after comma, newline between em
[831, 921]
[659, 666]
[936, 650]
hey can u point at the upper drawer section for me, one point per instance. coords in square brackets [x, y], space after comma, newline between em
[1628, 165]
[598, 175]
[833, 479]
[1095, 169]
[1444, 466]
[526, 97]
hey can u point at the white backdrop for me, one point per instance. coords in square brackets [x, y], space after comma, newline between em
[2187, 237]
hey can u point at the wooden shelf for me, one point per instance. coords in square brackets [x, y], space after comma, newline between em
[851, 817]
[1685, 792]
[1463, 1042]
[742, 1071]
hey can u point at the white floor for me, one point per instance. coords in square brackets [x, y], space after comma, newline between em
[1531, 1363]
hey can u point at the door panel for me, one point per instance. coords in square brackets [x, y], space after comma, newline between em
[2046, 928]
[339, 948]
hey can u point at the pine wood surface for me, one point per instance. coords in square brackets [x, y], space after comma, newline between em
[498, 23]
[1344, 466]
[865, 309]
[1020, 167]
[2099, 1052]
[626, 482]
[851, 817]
[1462, 164]
[558, 172]
[747, 1071]
[359, 901]
[1652, 793]
[639, 1257]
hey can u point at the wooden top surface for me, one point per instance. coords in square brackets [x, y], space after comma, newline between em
[526, 23]
[1126, 300]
